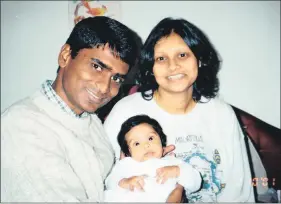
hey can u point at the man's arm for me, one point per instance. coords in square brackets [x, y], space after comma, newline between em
[32, 172]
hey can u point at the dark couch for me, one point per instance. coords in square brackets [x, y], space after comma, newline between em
[267, 141]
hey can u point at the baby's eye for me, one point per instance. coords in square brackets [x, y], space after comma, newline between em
[137, 144]
[183, 54]
[97, 67]
[150, 138]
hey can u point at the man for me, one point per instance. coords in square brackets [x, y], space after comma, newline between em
[53, 147]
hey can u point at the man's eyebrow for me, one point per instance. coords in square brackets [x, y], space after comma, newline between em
[101, 63]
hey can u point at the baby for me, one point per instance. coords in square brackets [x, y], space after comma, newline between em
[144, 175]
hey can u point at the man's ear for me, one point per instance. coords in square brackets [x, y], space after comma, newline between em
[64, 55]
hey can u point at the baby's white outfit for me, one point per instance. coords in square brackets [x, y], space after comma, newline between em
[189, 178]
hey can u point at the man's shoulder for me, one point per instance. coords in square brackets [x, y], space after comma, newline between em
[23, 109]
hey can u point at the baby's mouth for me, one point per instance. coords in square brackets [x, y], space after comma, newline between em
[149, 154]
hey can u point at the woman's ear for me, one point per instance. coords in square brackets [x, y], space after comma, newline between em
[64, 55]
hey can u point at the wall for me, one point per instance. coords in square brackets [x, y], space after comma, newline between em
[246, 34]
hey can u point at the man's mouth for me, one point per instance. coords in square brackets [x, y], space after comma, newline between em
[93, 96]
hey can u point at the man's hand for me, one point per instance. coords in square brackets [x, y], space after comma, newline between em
[132, 183]
[169, 150]
[176, 195]
[166, 172]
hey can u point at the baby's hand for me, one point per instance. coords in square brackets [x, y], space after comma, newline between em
[134, 182]
[166, 172]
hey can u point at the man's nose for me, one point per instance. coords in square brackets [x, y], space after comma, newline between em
[104, 85]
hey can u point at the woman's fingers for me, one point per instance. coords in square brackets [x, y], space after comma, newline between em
[168, 149]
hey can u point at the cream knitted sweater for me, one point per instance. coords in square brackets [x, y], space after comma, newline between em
[48, 155]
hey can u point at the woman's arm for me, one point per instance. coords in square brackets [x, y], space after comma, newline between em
[238, 186]
[176, 195]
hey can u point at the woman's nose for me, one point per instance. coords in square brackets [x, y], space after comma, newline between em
[173, 65]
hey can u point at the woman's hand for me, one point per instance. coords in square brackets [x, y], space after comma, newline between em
[168, 150]
[132, 183]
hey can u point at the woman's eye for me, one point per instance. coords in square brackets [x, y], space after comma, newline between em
[160, 58]
[150, 138]
[97, 67]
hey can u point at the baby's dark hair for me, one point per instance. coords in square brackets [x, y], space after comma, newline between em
[134, 121]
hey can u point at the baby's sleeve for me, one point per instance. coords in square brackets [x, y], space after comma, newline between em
[189, 177]
[118, 172]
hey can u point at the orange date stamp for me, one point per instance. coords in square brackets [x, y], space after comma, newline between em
[264, 181]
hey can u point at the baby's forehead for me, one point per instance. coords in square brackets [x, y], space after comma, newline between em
[140, 131]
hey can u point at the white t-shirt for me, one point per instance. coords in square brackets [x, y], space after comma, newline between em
[209, 138]
[189, 178]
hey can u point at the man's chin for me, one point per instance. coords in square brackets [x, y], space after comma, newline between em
[95, 108]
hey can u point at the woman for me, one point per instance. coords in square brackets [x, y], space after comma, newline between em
[178, 86]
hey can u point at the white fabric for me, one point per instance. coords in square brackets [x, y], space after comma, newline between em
[209, 137]
[153, 192]
[49, 156]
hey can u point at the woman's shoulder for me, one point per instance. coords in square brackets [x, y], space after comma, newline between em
[219, 106]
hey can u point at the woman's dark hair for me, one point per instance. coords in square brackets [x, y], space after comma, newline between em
[206, 84]
[134, 121]
[100, 30]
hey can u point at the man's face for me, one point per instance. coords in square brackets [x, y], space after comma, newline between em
[91, 79]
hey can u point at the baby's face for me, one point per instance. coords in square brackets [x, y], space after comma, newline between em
[144, 142]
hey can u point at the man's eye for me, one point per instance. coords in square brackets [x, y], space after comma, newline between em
[97, 67]
[137, 144]
[117, 79]
[150, 138]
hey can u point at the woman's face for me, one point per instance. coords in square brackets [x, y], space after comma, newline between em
[175, 66]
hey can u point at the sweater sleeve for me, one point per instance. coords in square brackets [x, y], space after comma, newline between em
[33, 168]
[236, 167]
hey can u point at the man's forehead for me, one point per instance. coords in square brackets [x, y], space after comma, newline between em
[107, 57]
